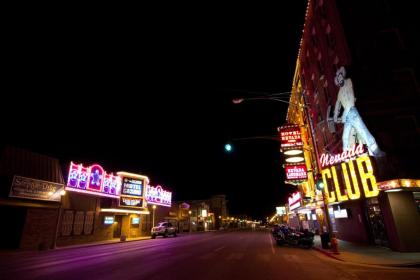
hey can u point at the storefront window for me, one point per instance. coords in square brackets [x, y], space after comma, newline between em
[67, 223]
[79, 220]
[90, 215]
[417, 200]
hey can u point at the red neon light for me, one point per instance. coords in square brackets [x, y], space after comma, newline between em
[290, 136]
[296, 172]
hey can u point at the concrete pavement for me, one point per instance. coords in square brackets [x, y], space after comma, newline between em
[371, 255]
[215, 255]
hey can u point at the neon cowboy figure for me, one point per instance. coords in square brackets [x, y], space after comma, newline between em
[350, 116]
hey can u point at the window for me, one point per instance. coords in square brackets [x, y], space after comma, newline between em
[67, 223]
[88, 227]
[79, 220]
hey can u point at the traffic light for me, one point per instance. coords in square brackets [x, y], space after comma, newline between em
[319, 184]
[228, 147]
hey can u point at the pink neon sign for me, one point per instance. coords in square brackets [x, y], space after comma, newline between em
[93, 179]
[294, 199]
[327, 160]
[157, 195]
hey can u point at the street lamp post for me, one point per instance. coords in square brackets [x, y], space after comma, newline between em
[189, 221]
[278, 97]
[153, 217]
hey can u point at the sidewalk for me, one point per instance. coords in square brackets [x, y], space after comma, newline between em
[373, 255]
[104, 242]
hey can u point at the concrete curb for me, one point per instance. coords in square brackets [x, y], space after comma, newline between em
[99, 244]
[334, 256]
[327, 253]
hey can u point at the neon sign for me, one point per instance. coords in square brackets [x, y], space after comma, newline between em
[356, 150]
[296, 172]
[132, 189]
[157, 195]
[295, 200]
[334, 177]
[290, 136]
[108, 220]
[93, 180]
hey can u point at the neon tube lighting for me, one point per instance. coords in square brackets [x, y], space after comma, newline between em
[115, 210]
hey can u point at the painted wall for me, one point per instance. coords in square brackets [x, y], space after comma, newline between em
[354, 228]
[402, 221]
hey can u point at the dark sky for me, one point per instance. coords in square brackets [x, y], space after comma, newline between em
[151, 93]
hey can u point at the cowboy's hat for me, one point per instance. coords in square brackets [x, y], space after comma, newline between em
[341, 71]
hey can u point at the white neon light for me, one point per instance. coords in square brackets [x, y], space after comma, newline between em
[132, 175]
[116, 210]
[70, 189]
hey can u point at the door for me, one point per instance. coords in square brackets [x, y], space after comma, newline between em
[117, 226]
[376, 222]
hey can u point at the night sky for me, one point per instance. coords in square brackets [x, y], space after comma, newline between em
[151, 93]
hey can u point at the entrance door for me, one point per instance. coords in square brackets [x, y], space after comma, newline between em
[376, 222]
[117, 226]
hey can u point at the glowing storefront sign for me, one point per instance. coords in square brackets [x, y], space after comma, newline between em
[290, 136]
[340, 213]
[132, 189]
[92, 180]
[356, 150]
[335, 192]
[158, 196]
[295, 201]
[135, 221]
[281, 210]
[108, 220]
[398, 183]
[296, 172]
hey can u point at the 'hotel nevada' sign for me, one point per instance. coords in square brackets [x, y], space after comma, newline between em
[29, 188]
[132, 189]
[290, 136]
[157, 195]
[345, 174]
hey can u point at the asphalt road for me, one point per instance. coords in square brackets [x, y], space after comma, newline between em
[212, 255]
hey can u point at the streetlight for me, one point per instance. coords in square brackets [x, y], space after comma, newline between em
[304, 106]
[189, 220]
[153, 218]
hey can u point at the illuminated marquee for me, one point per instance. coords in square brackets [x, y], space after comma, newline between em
[132, 189]
[157, 195]
[343, 181]
[93, 180]
[290, 136]
[292, 148]
[296, 172]
[295, 200]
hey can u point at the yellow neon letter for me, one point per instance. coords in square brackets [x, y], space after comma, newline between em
[340, 196]
[327, 174]
[364, 176]
[350, 193]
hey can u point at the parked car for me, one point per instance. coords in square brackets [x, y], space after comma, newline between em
[164, 229]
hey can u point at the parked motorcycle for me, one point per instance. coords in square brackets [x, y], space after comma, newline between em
[288, 236]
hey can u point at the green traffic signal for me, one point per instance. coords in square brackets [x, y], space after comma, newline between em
[228, 147]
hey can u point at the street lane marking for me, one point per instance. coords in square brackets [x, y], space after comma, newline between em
[235, 256]
[272, 244]
[218, 249]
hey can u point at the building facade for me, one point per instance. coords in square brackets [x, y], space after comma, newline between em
[366, 67]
